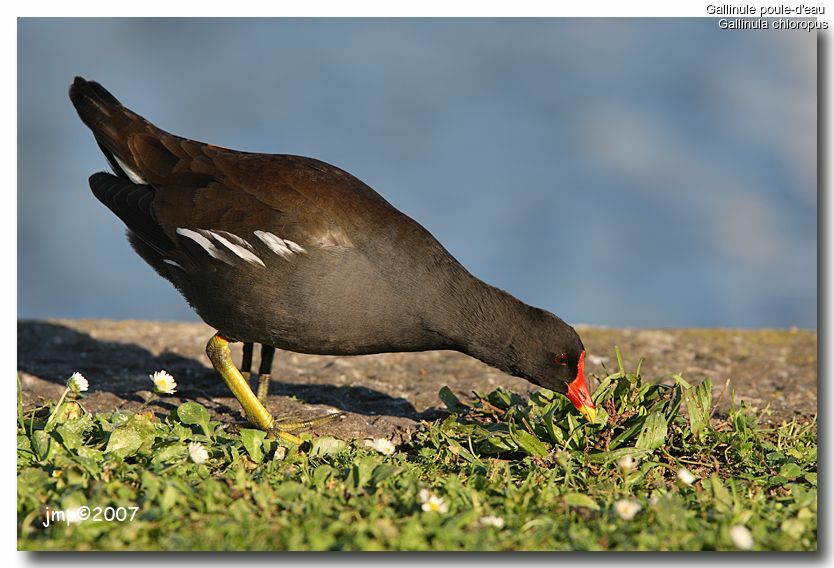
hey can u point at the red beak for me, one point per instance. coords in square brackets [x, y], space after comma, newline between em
[579, 394]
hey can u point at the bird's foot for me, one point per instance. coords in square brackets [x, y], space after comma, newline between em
[220, 355]
[276, 432]
[286, 430]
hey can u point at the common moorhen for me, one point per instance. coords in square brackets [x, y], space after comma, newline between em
[294, 253]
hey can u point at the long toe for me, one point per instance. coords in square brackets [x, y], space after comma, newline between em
[276, 432]
[287, 426]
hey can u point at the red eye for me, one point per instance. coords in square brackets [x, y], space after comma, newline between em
[562, 359]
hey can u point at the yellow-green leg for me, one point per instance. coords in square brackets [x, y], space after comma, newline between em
[264, 371]
[220, 355]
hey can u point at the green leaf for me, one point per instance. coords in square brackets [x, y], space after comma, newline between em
[794, 528]
[72, 432]
[134, 435]
[639, 364]
[631, 428]
[70, 410]
[653, 433]
[321, 474]
[602, 392]
[542, 396]
[622, 394]
[497, 444]
[602, 418]
[680, 381]
[382, 472]
[20, 420]
[790, 470]
[69, 437]
[699, 407]
[723, 499]
[42, 443]
[92, 454]
[674, 404]
[556, 434]
[500, 398]
[612, 456]
[360, 473]
[462, 451]
[23, 443]
[169, 498]
[124, 441]
[580, 500]
[619, 360]
[169, 453]
[326, 446]
[150, 484]
[194, 414]
[529, 443]
[253, 442]
[452, 402]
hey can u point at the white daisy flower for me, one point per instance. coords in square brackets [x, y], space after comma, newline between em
[77, 383]
[197, 452]
[492, 521]
[686, 477]
[626, 508]
[163, 383]
[382, 445]
[432, 502]
[627, 464]
[741, 537]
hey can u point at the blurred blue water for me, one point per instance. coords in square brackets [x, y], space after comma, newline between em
[617, 172]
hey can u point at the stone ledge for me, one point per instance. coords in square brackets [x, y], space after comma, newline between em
[388, 394]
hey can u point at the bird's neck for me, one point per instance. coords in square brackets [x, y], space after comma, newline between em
[493, 326]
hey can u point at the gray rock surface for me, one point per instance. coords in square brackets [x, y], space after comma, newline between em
[387, 395]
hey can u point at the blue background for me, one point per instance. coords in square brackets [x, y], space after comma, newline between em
[617, 172]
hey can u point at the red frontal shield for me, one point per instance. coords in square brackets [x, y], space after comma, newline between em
[579, 394]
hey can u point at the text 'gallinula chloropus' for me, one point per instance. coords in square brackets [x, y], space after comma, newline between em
[294, 253]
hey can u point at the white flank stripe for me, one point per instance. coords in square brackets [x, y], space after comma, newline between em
[276, 244]
[173, 263]
[234, 238]
[203, 242]
[238, 250]
[295, 247]
[134, 177]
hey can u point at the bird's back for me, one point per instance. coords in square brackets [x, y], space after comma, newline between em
[275, 249]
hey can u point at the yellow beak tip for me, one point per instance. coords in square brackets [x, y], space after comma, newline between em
[589, 412]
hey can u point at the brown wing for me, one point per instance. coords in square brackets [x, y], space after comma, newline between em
[167, 183]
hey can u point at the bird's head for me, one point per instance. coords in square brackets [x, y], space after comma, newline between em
[561, 368]
[526, 342]
[548, 352]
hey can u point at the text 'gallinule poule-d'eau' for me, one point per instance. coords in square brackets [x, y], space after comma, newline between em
[294, 253]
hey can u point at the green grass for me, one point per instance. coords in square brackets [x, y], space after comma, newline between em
[553, 479]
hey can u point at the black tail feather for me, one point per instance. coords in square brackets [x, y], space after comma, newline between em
[100, 111]
[93, 103]
[132, 203]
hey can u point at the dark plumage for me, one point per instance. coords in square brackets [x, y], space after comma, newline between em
[294, 253]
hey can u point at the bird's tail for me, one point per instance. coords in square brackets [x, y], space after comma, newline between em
[112, 124]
